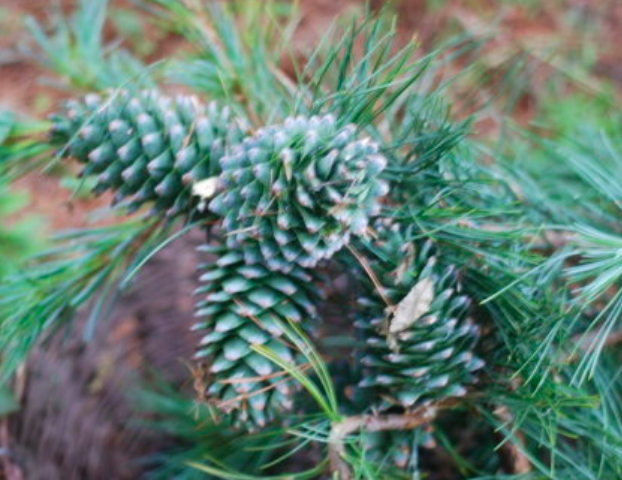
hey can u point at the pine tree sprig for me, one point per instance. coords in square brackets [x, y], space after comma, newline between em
[75, 50]
[80, 267]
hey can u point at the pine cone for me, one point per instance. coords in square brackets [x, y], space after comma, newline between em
[241, 303]
[420, 349]
[295, 193]
[146, 147]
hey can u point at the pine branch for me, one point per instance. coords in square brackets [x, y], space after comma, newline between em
[376, 423]
[81, 267]
[75, 50]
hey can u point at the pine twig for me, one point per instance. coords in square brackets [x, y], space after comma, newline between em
[376, 423]
[371, 274]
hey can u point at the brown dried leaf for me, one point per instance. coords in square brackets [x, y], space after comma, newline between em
[413, 306]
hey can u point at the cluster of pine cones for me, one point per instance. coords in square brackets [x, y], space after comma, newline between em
[285, 199]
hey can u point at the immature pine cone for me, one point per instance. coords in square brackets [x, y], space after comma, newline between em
[146, 147]
[238, 309]
[426, 354]
[295, 193]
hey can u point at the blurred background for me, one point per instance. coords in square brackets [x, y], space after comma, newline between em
[547, 66]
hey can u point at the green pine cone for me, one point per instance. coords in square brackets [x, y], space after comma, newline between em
[295, 193]
[421, 348]
[146, 147]
[239, 307]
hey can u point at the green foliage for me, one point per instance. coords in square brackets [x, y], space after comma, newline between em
[18, 236]
[75, 50]
[7, 122]
[237, 49]
[489, 288]
[21, 149]
[572, 113]
[198, 437]
[363, 87]
[130, 26]
[81, 267]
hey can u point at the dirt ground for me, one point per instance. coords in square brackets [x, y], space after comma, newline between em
[73, 421]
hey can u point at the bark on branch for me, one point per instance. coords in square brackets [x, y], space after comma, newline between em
[375, 423]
